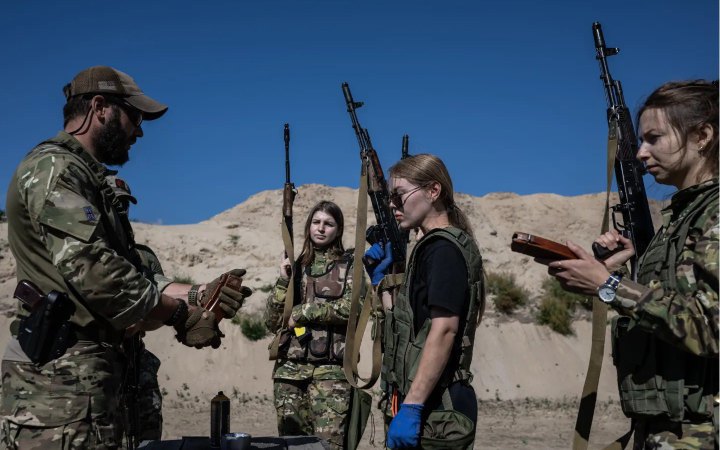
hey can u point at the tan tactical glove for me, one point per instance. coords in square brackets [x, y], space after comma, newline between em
[225, 295]
[199, 329]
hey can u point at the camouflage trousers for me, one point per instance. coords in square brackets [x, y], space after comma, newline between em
[313, 408]
[72, 402]
[675, 436]
[149, 399]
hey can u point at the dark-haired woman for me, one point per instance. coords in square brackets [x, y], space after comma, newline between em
[665, 340]
[311, 393]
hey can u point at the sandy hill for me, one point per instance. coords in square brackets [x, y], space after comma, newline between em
[514, 357]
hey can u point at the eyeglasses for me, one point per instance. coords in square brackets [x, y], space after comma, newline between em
[397, 198]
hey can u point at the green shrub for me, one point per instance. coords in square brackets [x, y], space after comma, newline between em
[558, 305]
[252, 325]
[508, 296]
[183, 279]
[2, 215]
[555, 314]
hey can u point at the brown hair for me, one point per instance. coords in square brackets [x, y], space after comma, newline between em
[689, 106]
[336, 249]
[423, 169]
[78, 105]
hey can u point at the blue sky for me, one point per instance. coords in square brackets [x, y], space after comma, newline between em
[506, 92]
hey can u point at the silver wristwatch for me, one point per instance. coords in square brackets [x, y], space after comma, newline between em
[606, 291]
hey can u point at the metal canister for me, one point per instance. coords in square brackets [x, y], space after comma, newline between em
[219, 418]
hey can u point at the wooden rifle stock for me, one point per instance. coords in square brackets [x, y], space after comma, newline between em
[539, 247]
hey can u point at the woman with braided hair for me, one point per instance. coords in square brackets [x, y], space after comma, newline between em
[665, 340]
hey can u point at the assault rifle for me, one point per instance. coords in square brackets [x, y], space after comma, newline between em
[387, 229]
[286, 229]
[637, 222]
[289, 188]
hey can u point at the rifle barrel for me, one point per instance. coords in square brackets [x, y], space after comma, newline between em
[287, 153]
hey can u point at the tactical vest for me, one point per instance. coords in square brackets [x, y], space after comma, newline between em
[322, 343]
[403, 347]
[656, 379]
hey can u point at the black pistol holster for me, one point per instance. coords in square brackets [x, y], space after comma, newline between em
[46, 333]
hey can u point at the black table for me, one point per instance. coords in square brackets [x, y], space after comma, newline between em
[257, 443]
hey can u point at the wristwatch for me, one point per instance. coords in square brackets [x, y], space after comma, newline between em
[606, 291]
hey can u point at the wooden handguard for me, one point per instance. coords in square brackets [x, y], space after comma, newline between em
[538, 247]
[212, 303]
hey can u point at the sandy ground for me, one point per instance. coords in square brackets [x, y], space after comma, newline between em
[502, 425]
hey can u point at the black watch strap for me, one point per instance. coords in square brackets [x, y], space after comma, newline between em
[178, 315]
[193, 294]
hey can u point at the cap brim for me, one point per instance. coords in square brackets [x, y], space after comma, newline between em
[150, 108]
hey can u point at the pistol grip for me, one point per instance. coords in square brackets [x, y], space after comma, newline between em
[603, 253]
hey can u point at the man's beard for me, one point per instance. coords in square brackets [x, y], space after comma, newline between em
[111, 143]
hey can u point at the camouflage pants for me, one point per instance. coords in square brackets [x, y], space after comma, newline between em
[149, 399]
[313, 407]
[72, 402]
[676, 436]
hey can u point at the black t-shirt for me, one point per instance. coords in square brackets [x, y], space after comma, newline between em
[440, 281]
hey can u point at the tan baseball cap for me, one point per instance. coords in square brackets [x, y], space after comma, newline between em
[106, 80]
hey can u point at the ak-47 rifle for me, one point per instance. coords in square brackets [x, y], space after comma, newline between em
[289, 188]
[637, 225]
[404, 154]
[387, 229]
[637, 222]
[286, 227]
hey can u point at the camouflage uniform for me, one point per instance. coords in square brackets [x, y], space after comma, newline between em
[311, 393]
[666, 347]
[67, 234]
[147, 399]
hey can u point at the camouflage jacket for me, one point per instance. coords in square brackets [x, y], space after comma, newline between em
[686, 316]
[312, 314]
[66, 234]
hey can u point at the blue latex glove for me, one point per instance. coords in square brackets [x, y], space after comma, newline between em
[382, 254]
[404, 430]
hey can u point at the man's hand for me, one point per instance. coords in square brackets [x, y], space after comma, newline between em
[199, 329]
[404, 430]
[383, 257]
[226, 292]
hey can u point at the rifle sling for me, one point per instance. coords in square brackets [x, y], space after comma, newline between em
[586, 410]
[289, 294]
[357, 322]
